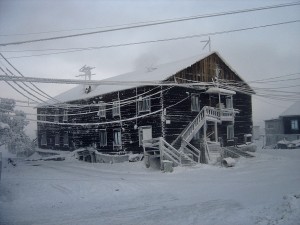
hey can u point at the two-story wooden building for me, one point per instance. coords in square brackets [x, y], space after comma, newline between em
[186, 100]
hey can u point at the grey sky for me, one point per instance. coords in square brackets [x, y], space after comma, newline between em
[255, 54]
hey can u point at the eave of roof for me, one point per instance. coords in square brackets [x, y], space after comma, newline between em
[157, 74]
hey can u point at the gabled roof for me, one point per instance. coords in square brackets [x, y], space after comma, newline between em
[156, 74]
[293, 110]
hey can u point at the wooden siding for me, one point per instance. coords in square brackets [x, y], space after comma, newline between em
[175, 118]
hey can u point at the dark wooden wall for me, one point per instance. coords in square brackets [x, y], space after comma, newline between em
[179, 115]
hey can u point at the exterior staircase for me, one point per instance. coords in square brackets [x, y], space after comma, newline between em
[181, 152]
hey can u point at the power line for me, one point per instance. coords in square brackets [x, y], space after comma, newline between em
[45, 95]
[153, 23]
[159, 40]
[164, 21]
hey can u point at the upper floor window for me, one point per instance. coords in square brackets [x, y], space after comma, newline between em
[144, 104]
[102, 110]
[65, 117]
[103, 137]
[294, 125]
[195, 102]
[229, 103]
[42, 117]
[56, 117]
[116, 108]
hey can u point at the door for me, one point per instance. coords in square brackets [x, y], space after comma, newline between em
[145, 133]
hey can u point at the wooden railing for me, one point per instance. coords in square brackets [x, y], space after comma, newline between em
[193, 150]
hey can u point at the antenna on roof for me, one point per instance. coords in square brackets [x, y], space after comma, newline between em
[208, 42]
[87, 70]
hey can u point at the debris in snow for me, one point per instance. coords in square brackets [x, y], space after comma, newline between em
[228, 162]
[4, 125]
[135, 157]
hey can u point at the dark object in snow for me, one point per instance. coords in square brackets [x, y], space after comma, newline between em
[54, 158]
[10, 161]
[228, 162]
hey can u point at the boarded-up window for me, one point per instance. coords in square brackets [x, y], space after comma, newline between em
[103, 137]
[230, 132]
[102, 110]
[44, 139]
[195, 102]
[56, 139]
[117, 137]
[144, 104]
[294, 125]
[116, 108]
[66, 139]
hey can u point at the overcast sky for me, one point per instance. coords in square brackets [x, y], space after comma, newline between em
[255, 54]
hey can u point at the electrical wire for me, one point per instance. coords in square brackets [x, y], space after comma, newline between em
[158, 40]
[165, 21]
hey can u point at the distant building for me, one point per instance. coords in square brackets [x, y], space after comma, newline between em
[286, 126]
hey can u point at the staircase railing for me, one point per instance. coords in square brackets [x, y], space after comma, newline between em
[170, 152]
[193, 150]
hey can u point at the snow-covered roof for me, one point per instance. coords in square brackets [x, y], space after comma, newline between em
[155, 74]
[293, 110]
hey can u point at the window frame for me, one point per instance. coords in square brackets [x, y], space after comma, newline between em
[57, 140]
[66, 136]
[115, 144]
[116, 108]
[56, 116]
[105, 137]
[65, 116]
[102, 110]
[44, 139]
[230, 134]
[195, 107]
[294, 124]
[144, 104]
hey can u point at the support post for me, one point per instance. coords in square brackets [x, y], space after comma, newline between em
[216, 131]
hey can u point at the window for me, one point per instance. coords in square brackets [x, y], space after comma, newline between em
[56, 117]
[56, 140]
[294, 125]
[144, 104]
[102, 110]
[230, 132]
[42, 117]
[145, 133]
[116, 108]
[65, 117]
[117, 137]
[66, 139]
[103, 137]
[229, 104]
[195, 103]
[44, 139]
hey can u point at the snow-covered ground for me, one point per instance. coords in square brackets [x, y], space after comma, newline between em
[260, 190]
